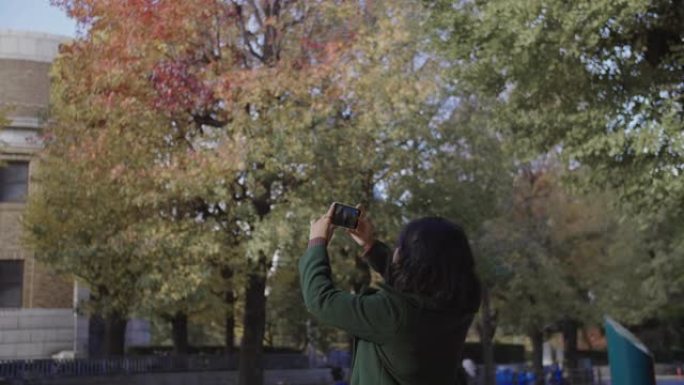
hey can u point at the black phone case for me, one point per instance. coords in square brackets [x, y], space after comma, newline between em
[339, 221]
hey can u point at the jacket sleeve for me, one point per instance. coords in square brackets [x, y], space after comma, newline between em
[379, 257]
[372, 317]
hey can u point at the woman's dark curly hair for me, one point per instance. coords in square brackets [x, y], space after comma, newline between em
[435, 260]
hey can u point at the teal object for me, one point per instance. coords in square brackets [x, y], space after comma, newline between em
[631, 363]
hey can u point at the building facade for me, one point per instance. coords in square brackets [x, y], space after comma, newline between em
[24, 88]
[36, 306]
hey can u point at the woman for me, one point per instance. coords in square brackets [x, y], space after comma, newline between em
[411, 331]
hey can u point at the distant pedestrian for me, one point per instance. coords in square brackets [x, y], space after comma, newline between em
[470, 367]
[412, 330]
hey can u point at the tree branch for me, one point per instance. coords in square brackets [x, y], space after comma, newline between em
[246, 34]
[208, 121]
[257, 12]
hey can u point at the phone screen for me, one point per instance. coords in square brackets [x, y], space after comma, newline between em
[345, 216]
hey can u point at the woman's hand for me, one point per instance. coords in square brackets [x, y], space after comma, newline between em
[322, 227]
[363, 234]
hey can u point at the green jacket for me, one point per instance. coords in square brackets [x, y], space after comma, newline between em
[401, 338]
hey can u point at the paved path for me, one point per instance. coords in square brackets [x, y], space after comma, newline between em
[666, 380]
[670, 380]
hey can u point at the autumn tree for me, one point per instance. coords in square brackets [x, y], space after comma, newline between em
[530, 285]
[195, 128]
[192, 141]
[198, 85]
[600, 78]
[557, 257]
[601, 81]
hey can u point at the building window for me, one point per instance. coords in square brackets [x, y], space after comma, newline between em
[11, 282]
[14, 176]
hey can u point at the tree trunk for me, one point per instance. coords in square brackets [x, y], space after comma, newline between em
[487, 329]
[179, 333]
[114, 335]
[251, 366]
[570, 347]
[537, 338]
[230, 323]
[96, 336]
[229, 299]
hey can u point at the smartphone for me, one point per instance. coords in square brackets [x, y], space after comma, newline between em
[345, 216]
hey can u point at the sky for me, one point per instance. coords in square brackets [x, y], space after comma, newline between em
[36, 16]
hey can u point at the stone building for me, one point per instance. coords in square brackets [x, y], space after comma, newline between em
[36, 316]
